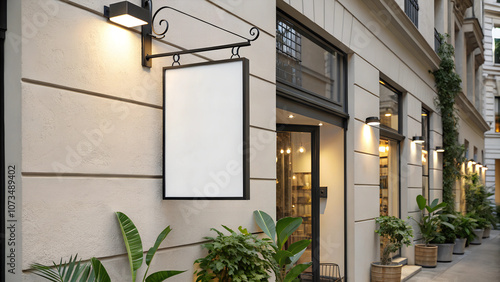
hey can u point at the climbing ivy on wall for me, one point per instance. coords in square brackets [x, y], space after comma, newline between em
[448, 86]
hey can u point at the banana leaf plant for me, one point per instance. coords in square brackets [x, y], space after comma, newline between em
[133, 244]
[429, 223]
[284, 260]
[73, 271]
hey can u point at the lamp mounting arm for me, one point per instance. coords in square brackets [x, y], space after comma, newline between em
[149, 32]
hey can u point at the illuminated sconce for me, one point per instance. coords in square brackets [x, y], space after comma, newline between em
[372, 121]
[439, 149]
[485, 167]
[288, 151]
[291, 116]
[418, 139]
[127, 14]
[472, 161]
[302, 149]
[479, 165]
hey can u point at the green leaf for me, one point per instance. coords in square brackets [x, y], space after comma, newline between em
[434, 203]
[159, 240]
[285, 227]
[296, 271]
[266, 223]
[100, 272]
[132, 241]
[72, 270]
[298, 246]
[283, 257]
[162, 275]
[421, 202]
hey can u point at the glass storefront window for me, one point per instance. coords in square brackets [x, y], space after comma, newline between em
[389, 106]
[389, 177]
[307, 63]
[425, 154]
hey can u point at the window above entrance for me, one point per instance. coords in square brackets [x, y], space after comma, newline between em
[308, 65]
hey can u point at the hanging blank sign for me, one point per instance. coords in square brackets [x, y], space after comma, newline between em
[205, 131]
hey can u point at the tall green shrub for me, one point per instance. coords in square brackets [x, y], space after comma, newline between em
[448, 86]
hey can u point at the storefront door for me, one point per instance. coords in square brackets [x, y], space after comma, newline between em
[297, 185]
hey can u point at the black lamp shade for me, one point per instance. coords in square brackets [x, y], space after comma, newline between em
[127, 14]
[372, 121]
[418, 139]
[439, 149]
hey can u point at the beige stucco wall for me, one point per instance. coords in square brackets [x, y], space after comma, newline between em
[88, 108]
[92, 132]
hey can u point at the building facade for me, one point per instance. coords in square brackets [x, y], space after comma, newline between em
[491, 103]
[85, 125]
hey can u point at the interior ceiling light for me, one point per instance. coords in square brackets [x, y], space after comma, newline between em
[291, 116]
[439, 149]
[320, 124]
[373, 121]
[388, 114]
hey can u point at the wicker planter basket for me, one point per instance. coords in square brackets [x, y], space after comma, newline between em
[385, 273]
[426, 256]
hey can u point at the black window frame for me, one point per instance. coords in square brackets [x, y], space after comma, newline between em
[296, 93]
[388, 130]
[497, 114]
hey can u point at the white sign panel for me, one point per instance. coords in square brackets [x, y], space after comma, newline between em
[206, 131]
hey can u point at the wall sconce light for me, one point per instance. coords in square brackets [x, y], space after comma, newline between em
[130, 15]
[485, 167]
[418, 139]
[127, 14]
[439, 149]
[479, 165]
[472, 161]
[372, 121]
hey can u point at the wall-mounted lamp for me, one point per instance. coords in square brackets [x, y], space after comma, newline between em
[439, 149]
[127, 14]
[485, 167]
[472, 161]
[418, 139]
[373, 121]
[130, 15]
[479, 165]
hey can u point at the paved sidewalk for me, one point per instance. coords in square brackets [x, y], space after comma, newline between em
[480, 263]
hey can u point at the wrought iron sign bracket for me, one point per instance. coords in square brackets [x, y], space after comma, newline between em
[149, 32]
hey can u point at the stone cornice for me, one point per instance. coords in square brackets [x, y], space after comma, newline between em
[459, 7]
[470, 113]
[406, 31]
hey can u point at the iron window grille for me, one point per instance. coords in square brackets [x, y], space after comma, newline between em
[411, 10]
[437, 40]
[288, 49]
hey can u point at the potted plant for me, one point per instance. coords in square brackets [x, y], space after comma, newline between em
[426, 254]
[478, 205]
[445, 238]
[395, 232]
[235, 257]
[464, 231]
[283, 260]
